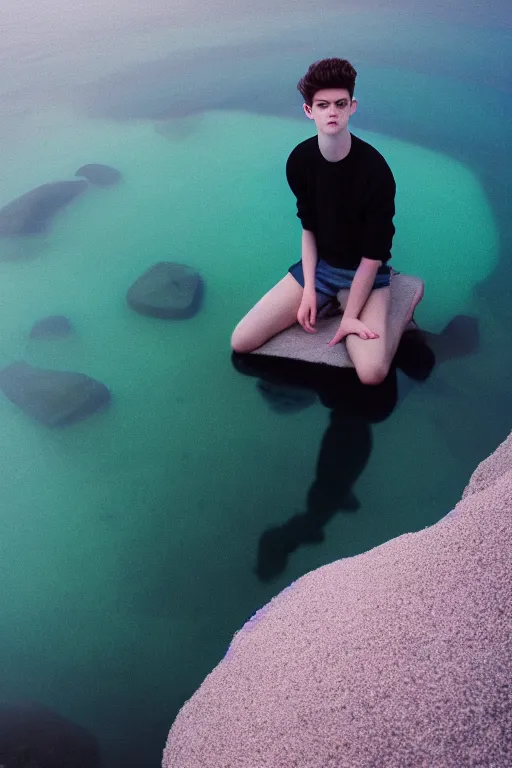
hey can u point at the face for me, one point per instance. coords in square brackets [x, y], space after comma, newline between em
[331, 110]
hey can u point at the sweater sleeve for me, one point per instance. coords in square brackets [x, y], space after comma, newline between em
[379, 210]
[297, 182]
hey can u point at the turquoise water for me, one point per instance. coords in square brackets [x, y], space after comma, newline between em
[129, 541]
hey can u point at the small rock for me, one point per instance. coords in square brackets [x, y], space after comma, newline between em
[54, 398]
[166, 290]
[51, 327]
[102, 175]
[31, 213]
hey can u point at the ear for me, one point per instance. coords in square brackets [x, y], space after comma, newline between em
[353, 106]
[307, 111]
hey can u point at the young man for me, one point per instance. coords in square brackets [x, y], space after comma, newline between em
[345, 194]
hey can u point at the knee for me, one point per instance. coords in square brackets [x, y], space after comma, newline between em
[240, 343]
[373, 374]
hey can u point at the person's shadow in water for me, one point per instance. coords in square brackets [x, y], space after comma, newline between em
[347, 442]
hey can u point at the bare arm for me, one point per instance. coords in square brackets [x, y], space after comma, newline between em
[361, 287]
[309, 259]
[306, 314]
[358, 296]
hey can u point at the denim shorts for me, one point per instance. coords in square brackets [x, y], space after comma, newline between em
[329, 280]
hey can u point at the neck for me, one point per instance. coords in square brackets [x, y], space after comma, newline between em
[335, 148]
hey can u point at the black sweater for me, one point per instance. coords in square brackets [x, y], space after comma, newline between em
[349, 205]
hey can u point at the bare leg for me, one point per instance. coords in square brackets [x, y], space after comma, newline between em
[273, 313]
[372, 357]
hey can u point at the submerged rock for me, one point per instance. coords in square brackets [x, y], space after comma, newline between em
[31, 213]
[51, 327]
[32, 736]
[103, 175]
[166, 290]
[54, 398]
[286, 399]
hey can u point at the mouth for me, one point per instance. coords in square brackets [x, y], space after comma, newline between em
[332, 122]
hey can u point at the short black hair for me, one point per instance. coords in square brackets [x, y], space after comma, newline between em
[327, 73]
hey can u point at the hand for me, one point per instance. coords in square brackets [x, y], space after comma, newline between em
[352, 325]
[306, 314]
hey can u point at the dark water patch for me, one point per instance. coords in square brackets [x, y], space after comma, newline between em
[32, 736]
[285, 399]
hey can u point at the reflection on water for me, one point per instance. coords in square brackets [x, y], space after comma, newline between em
[135, 542]
[343, 454]
[290, 385]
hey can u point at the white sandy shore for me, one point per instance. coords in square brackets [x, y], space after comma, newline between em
[401, 656]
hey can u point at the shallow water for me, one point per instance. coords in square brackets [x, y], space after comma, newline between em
[129, 547]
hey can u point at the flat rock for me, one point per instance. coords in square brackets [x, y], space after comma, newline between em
[103, 175]
[51, 327]
[167, 290]
[294, 343]
[31, 213]
[32, 736]
[54, 398]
